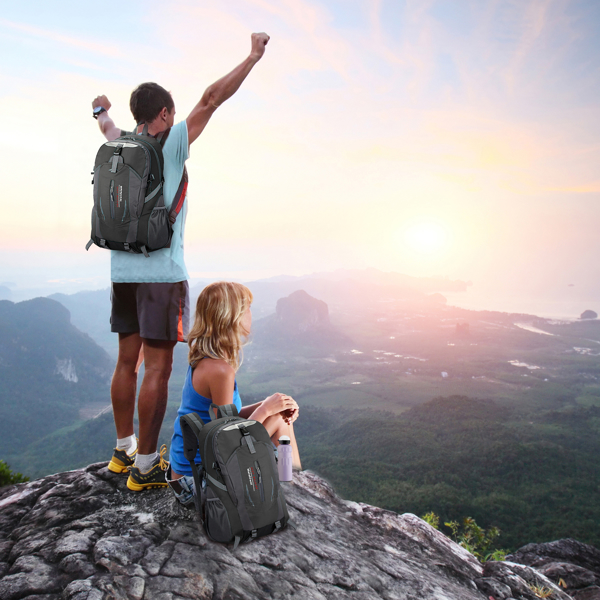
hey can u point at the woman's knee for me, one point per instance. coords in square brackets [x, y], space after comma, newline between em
[273, 424]
[282, 427]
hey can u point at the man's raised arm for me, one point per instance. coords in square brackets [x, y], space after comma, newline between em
[224, 88]
[107, 125]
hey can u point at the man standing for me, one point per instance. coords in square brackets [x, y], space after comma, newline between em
[150, 295]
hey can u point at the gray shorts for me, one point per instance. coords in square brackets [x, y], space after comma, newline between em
[157, 311]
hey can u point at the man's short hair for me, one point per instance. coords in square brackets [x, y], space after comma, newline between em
[147, 100]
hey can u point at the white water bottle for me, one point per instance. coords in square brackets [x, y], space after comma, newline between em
[285, 458]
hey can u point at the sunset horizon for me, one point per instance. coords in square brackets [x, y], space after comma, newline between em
[438, 139]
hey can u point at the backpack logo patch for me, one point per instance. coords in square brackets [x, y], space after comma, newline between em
[119, 196]
[251, 478]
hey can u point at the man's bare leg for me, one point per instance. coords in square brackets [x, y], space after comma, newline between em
[124, 383]
[154, 392]
[277, 427]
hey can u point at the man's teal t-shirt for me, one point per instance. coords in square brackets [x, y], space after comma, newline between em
[165, 265]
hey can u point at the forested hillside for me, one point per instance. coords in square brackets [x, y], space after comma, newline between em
[49, 371]
[535, 475]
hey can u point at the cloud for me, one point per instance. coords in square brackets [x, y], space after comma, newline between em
[100, 48]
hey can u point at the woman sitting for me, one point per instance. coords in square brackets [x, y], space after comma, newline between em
[222, 322]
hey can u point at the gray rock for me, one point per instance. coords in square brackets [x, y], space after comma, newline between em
[75, 542]
[83, 535]
[590, 593]
[29, 575]
[82, 590]
[577, 564]
[520, 578]
[156, 557]
[28, 543]
[573, 576]
[121, 550]
[566, 551]
[77, 564]
[5, 548]
[493, 587]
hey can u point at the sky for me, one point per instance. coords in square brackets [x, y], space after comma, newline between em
[453, 138]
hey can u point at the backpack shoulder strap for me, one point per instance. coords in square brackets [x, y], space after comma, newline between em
[223, 410]
[191, 424]
[144, 130]
[179, 197]
[162, 136]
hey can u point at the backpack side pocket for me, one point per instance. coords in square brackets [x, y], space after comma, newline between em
[159, 228]
[216, 519]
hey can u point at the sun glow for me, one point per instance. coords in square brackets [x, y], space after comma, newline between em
[426, 237]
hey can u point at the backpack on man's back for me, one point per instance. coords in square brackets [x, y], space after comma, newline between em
[129, 212]
[238, 495]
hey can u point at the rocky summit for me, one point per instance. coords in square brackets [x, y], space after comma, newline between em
[82, 535]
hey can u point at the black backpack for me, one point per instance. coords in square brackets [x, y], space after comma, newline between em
[129, 211]
[237, 491]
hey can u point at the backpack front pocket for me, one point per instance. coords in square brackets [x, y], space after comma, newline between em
[256, 493]
[117, 199]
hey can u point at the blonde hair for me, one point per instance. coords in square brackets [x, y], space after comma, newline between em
[217, 331]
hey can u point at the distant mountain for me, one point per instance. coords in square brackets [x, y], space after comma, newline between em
[49, 370]
[344, 289]
[299, 321]
[377, 277]
[5, 292]
[90, 312]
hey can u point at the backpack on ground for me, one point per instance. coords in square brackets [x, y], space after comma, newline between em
[129, 211]
[237, 491]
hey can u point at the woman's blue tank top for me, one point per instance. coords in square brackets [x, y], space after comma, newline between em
[192, 401]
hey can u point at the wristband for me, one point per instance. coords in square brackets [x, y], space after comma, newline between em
[98, 111]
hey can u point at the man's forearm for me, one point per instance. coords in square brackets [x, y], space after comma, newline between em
[108, 127]
[224, 88]
[228, 85]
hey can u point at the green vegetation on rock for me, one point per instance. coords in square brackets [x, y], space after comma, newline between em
[8, 477]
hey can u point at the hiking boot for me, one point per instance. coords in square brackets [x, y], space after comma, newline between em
[154, 478]
[121, 461]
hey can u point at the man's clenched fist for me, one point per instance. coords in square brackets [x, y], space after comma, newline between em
[101, 101]
[259, 41]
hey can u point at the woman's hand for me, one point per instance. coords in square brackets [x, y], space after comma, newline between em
[290, 415]
[284, 404]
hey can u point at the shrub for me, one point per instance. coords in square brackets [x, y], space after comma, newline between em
[8, 477]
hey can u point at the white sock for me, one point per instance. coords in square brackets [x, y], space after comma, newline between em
[144, 462]
[129, 444]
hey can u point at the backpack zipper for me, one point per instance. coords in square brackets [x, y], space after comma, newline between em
[124, 210]
[112, 199]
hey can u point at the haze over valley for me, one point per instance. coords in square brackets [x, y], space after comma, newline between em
[406, 402]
